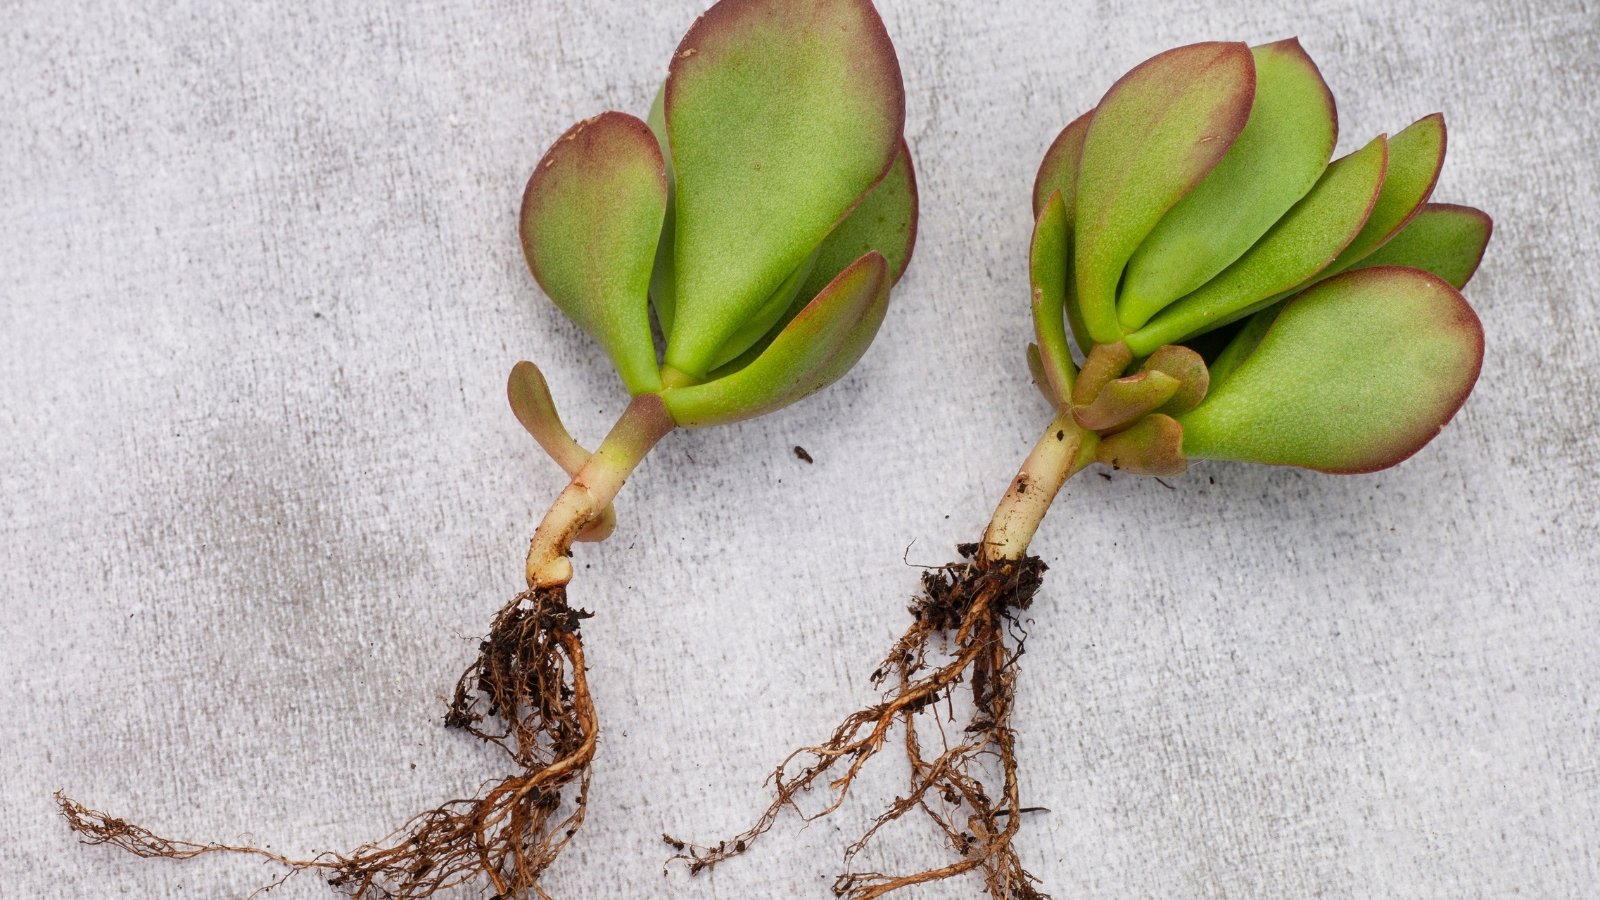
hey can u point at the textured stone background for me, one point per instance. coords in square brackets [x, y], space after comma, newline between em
[258, 487]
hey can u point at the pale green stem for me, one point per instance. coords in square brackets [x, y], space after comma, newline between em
[1064, 450]
[592, 489]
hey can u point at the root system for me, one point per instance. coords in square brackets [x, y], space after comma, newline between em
[965, 630]
[526, 693]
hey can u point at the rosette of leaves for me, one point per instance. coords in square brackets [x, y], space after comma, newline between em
[762, 213]
[759, 218]
[1231, 294]
[1198, 198]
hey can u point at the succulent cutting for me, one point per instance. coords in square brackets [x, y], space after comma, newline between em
[1234, 293]
[762, 215]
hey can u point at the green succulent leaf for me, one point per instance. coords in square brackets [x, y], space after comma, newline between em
[591, 217]
[663, 279]
[1242, 343]
[1125, 400]
[885, 220]
[531, 402]
[1415, 157]
[766, 319]
[1277, 158]
[1040, 379]
[1188, 369]
[1157, 133]
[1303, 243]
[780, 116]
[1152, 446]
[1444, 239]
[529, 396]
[1355, 374]
[814, 350]
[1050, 270]
[1058, 173]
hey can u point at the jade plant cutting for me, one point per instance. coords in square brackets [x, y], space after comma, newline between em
[762, 213]
[1233, 295]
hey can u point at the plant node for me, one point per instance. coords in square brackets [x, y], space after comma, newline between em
[965, 630]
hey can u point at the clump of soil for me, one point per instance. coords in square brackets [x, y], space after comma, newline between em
[965, 631]
[527, 694]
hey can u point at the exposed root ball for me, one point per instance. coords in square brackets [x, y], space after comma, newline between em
[964, 629]
[527, 694]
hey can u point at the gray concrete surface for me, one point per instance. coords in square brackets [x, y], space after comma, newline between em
[258, 488]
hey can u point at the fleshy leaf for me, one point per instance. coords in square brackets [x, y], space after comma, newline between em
[781, 115]
[885, 220]
[1104, 363]
[1415, 157]
[1050, 270]
[766, 319]
[1159, 130]
[591, 217]
[1279, 156]
[529, 396]
[1444, 239]
[1153, 446]
[1356, 374]
[1040, 379]
[1301, 245]
[1125, 400]
[1058, 173]
[1242, 343]
[663, 279]
[813, 351]
[1188, 369]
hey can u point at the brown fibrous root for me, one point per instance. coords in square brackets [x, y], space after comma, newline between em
[965, 630]
[527, 694]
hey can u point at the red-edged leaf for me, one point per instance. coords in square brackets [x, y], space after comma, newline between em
[591, 217]
[812, 351]
[1302, 244]
[781, 115]
[1279, 156]
[1444, 239]
[1050, 270]
[1415, 157]
[1355, 374]
[1153, 446]
[1058, 173]
[1159, 130]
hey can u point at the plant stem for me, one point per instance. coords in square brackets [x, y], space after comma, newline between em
[1064, 450]
[642, 424]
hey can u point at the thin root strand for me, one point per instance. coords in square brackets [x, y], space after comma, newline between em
[525, 693]
[966, 620]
